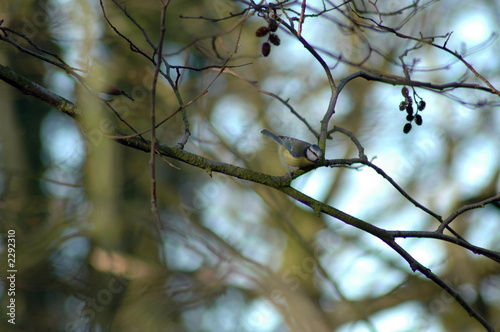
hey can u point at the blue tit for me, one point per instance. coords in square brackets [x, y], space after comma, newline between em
[295, 152]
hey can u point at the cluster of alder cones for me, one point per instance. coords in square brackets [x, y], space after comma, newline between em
[407, 104]
[272, 37]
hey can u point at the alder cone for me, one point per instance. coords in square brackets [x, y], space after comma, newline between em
[266, 49]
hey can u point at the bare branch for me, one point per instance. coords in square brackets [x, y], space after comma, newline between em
[466, 208]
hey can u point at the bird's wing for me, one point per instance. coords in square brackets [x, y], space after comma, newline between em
[296, 147]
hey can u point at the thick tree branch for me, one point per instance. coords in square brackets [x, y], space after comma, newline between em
[30, 88]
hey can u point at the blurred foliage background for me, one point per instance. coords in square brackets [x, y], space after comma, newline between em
[232, 255]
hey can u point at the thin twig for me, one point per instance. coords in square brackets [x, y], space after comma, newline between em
[301, 18]
[429, 41]
[354, 139]
[152, 164]
[417, 266]
[443, 237]
[271, 94]
[381, 172]
[466, 208]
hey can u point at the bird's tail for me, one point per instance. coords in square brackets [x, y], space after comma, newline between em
[271, 135]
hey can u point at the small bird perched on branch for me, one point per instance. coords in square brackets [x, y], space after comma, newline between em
[295, 152]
